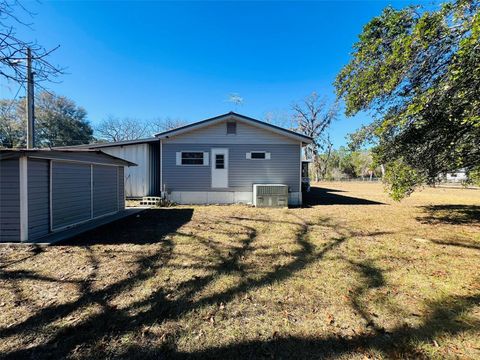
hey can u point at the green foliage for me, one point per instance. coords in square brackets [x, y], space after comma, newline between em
[12, 125]
[400, 179]
[419, 73]
[58, 122]
[343, 163]
[474, 176]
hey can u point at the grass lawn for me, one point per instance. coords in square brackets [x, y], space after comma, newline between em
[352, 276]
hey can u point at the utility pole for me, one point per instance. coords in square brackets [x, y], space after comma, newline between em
[30, 105]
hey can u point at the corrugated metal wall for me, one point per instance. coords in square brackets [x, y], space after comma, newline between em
[71, 196]
[137, 178]
[9, 200]
[121, 188]
[38, 198]
[105, 196]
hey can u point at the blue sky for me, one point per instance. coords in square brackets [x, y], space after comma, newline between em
[182, 60]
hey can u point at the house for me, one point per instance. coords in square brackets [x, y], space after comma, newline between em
[214, 161]
[456, 176]
[45, 191]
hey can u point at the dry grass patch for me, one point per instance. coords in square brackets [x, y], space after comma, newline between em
[351, 276]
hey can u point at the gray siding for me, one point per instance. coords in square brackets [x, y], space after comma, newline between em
[121, 188]
[282, 168]
[105, 195]
[71, 197]
[9, 200]
[217, 134]
[38, 198]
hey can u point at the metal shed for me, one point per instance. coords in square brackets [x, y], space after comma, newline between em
[44, 191]
[143, 179]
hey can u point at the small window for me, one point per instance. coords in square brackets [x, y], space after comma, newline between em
[192, 158]
[257, 155]
[231, 127]
[219, 161]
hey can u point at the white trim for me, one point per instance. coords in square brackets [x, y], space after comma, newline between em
[23, 187]
[268, 155]
[220, 175]
[179, 155]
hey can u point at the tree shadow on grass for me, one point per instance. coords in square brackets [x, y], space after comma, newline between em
[149, 226]
[162, 304]
[443, 318]
[80, 339]
[324, 196]
[451, 214]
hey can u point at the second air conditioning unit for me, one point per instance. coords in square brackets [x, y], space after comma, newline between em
[270, 195]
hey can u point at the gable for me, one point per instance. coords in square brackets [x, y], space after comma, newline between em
[216, 133]
[231, 116]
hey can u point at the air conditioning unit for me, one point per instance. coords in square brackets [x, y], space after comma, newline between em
[270, 195]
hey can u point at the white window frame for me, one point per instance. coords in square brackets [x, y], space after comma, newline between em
[179, 158]
[267, 155]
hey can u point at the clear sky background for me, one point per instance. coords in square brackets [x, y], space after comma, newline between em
[182, 59]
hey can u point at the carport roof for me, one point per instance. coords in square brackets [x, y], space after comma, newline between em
[82, 155]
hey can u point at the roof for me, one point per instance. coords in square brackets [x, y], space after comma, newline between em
[261, 124]
[110, 144]
[87, 155]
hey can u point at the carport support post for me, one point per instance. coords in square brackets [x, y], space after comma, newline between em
[23, 183]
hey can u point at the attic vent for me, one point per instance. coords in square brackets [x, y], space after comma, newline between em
[231, 127]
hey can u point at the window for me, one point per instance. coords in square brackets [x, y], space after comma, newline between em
[258, 155]
[219, 161]
[231, 127]
[192, 158]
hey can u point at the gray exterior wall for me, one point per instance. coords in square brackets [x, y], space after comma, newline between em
[217, 134]
[105, 195]
[38, 198]
[71, 198]
[9, 200]
[121, 188]
[282, 168]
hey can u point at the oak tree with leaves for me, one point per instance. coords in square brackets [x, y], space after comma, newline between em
[418, 72]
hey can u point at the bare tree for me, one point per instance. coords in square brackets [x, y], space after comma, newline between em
[164, 124]
[121, 129]
[13, 50]
[313, 117]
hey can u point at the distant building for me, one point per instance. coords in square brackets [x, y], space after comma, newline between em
[456, 176]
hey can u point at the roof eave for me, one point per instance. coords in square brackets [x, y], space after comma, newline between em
[198, 125]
